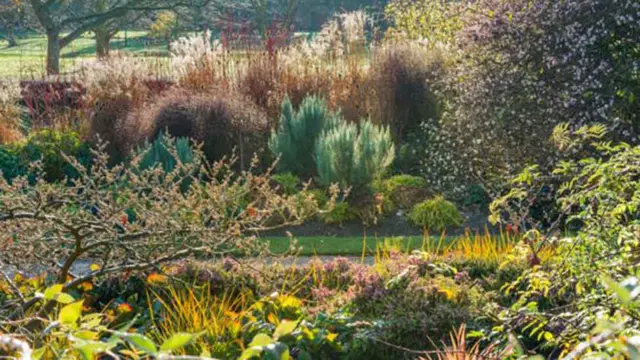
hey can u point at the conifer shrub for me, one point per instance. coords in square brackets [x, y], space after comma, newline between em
[353, 155]
[295, 139]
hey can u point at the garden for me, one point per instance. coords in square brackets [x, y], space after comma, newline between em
[412, 179]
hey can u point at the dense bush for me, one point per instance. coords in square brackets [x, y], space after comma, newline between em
[432, 21]
[45, 99]
[436, 214]
[353, 155]
[402, 191]
[600, 194]
[288, 182]
[222, 123]
[109, 113]
[406, 77]
[295, 140]
[340, 214]
[10, 163]
[526, 67]
[47, 146]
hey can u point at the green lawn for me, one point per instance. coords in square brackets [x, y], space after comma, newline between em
[347, 246]
[27, 60]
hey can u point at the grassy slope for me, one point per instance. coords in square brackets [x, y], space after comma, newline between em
[28, 59]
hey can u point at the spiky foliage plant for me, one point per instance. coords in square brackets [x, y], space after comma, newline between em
[157, 153]
[295, 139]
[353, 156]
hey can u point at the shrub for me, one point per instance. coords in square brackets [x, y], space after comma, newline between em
[599, 195]
[222, 123]
[44, 100]
[117, 86]
[288, 182]
[355, 158]
[10, 113]
[87, 219]
[339, 214]
[392, 183]
[297, 134]
[430, 20]
[436, 214]
[523, 73]
[109, 115]
[402, 191]
[48, 147]
[11, 164]
[406, 79]
[319, 195]
[157, 153]
[411, 310]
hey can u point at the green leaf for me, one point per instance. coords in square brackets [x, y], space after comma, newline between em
[621, 293]
[70, 313]
[277, 351]
[55, 293]
[303, 355]
[88, 349]
[261, 340]
[250, 353]
[52, 290]
[286, 327]
[37, 353]
[140, 342]
[178, 341]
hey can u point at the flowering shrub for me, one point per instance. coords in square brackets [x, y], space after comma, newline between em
[126, 218]
[529, 66]
[597, 194]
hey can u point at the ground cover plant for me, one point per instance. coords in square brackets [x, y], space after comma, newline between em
[411, 180]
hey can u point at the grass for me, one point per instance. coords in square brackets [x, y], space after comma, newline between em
[472, 246]
[346, 246]
[27, 60]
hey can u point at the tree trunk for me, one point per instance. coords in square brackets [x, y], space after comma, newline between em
[53, 53]
[12, 42]
[102, 43]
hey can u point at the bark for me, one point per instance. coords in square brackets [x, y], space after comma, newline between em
[53, 53]
[103, 39]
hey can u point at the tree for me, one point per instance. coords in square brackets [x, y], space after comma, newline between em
[12, 17]
[164, 27]
[79, 16]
